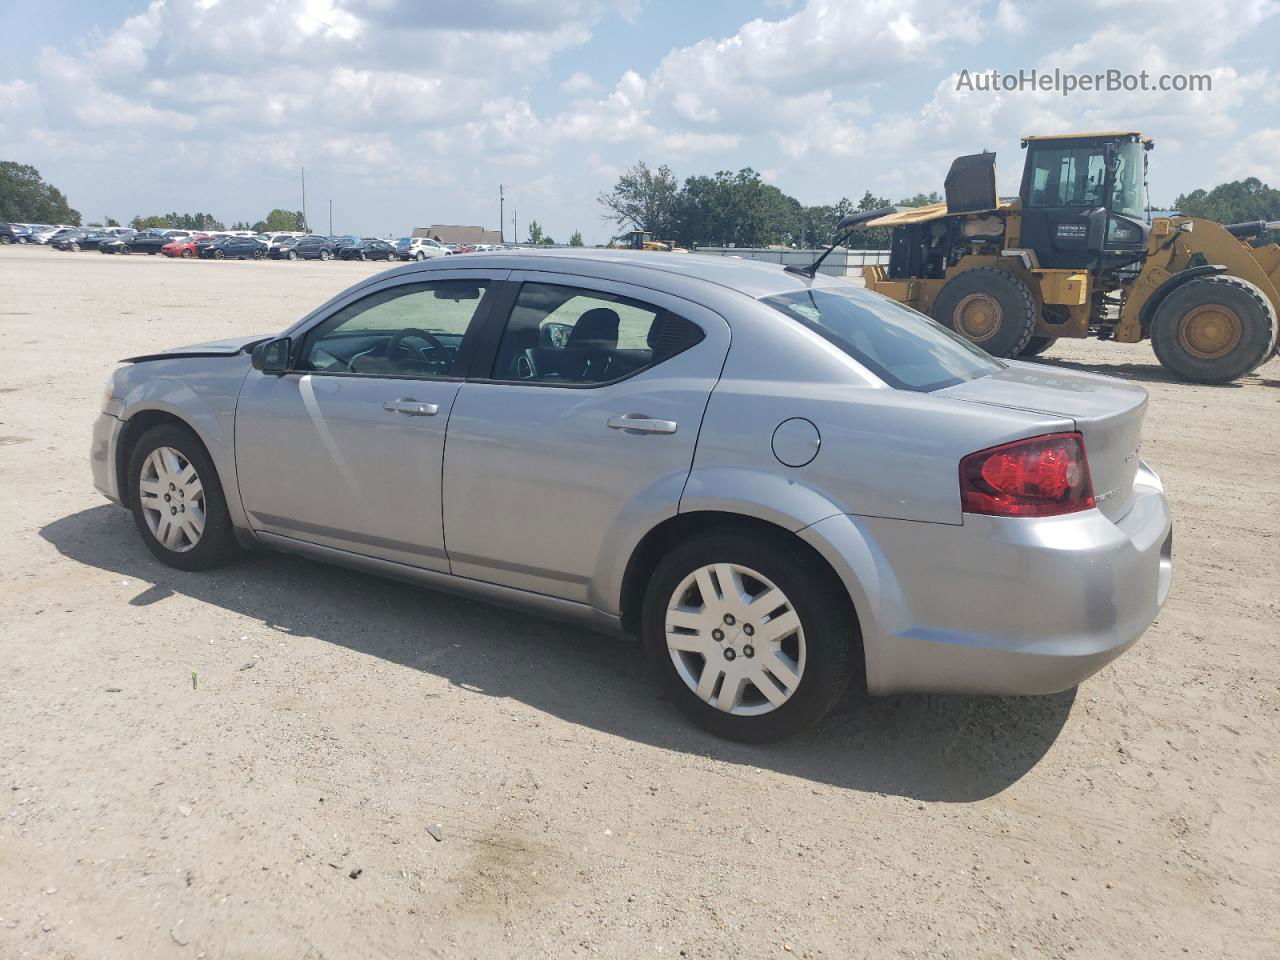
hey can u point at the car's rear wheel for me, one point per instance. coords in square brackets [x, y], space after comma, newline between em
[751, 636]
[186, 254]
[421, 256]
[324, 255]
[75, 248]
[391, 257]
[218, 255]
[177, 500]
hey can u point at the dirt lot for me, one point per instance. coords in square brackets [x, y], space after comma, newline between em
[283, 807]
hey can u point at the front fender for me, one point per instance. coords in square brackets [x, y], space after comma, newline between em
[176, 398]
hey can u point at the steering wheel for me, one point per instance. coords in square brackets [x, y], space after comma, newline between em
[398, 344]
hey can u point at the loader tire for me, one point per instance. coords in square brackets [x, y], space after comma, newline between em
[989, 307]
[1214, 329]
[1037, 345]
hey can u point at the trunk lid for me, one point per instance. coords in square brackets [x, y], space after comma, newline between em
[1108, 412]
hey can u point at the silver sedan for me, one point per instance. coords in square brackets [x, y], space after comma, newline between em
[783, 485]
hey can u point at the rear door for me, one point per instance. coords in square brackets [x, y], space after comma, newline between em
[586, 408]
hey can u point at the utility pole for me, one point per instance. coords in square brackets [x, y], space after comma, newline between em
[501, 217]
[515, 226]
[304, 198]
[331, 218]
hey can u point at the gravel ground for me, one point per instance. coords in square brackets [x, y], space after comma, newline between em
[283, 804]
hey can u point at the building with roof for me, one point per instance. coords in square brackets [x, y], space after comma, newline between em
[455, 233]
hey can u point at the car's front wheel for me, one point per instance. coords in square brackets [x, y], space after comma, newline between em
[177, 501]
[751, 636]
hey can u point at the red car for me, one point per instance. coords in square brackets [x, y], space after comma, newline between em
[186, 248]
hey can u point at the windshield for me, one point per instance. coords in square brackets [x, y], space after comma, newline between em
[1128, 195]
[903, 348]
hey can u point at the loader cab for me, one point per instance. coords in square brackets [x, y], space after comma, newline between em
[1084, 200]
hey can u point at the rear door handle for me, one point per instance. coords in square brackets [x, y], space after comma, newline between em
[411, 407]
[639, 423]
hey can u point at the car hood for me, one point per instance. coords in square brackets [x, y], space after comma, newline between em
[214, 348]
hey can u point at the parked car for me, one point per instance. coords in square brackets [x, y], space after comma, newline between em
[148, 243]
[81, 240]
[419, 248]
[13, 232]
[304, 248]
[368, 248]
[782, 484]
[47, 235]
[185, 247]
[235, 248]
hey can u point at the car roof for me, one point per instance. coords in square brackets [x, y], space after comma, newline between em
[752, 277]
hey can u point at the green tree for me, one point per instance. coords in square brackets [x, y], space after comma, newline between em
[1236, 202]
[177, 221]
[110, 222]
[575, 239]
[26, 198]
[921, 200]
[536, 236]
[279, 221]
[643, 199]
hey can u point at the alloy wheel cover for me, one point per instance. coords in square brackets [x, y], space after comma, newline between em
[735, 639]
[171, 495]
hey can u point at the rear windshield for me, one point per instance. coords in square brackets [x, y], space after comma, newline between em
[903, 348]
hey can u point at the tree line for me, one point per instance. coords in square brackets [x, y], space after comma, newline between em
[732, 209]
[1236, 202]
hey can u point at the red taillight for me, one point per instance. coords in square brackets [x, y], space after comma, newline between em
[1038, 477]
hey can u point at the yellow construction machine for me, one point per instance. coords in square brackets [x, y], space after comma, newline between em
[1076, 254]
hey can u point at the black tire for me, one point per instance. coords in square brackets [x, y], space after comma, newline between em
[1191, 308]
[421, 256]
[324, 256]
[218, 255]
[1001, 293]
[391, 258]
[75, 248]
[832, 639]
[360, 256]
[1037, 345]
[186, 254]
[292, 254]
[217, 544]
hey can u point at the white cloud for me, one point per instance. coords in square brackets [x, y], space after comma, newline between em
[578, 83]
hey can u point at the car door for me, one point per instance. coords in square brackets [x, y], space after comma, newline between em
[346, 449]
[586, 411]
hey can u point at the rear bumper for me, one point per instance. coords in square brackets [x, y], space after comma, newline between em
[1005, 606]
[102, 455]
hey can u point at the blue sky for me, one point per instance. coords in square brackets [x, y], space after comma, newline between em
[408, 113]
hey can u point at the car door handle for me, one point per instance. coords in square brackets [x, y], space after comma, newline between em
[411, 407]
[639, 423]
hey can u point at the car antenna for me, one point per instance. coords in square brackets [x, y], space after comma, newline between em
[844, 229]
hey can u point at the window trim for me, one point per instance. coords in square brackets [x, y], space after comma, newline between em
[471, 337]
[486, 356]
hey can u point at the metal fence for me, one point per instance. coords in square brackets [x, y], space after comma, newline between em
[842, 261]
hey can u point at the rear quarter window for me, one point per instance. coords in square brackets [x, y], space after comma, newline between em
[905, 349]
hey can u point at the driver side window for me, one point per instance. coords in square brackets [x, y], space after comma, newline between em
[411, 330]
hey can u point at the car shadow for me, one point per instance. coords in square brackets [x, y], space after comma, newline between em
[1141, 372]
[938, 748]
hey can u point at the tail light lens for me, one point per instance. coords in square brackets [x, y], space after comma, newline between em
[1038, 477]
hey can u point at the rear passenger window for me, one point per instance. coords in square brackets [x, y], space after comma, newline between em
[567, 335]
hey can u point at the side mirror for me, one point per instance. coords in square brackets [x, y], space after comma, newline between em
[272, 356]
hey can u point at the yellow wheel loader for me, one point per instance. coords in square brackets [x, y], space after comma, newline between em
[1076, 254]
